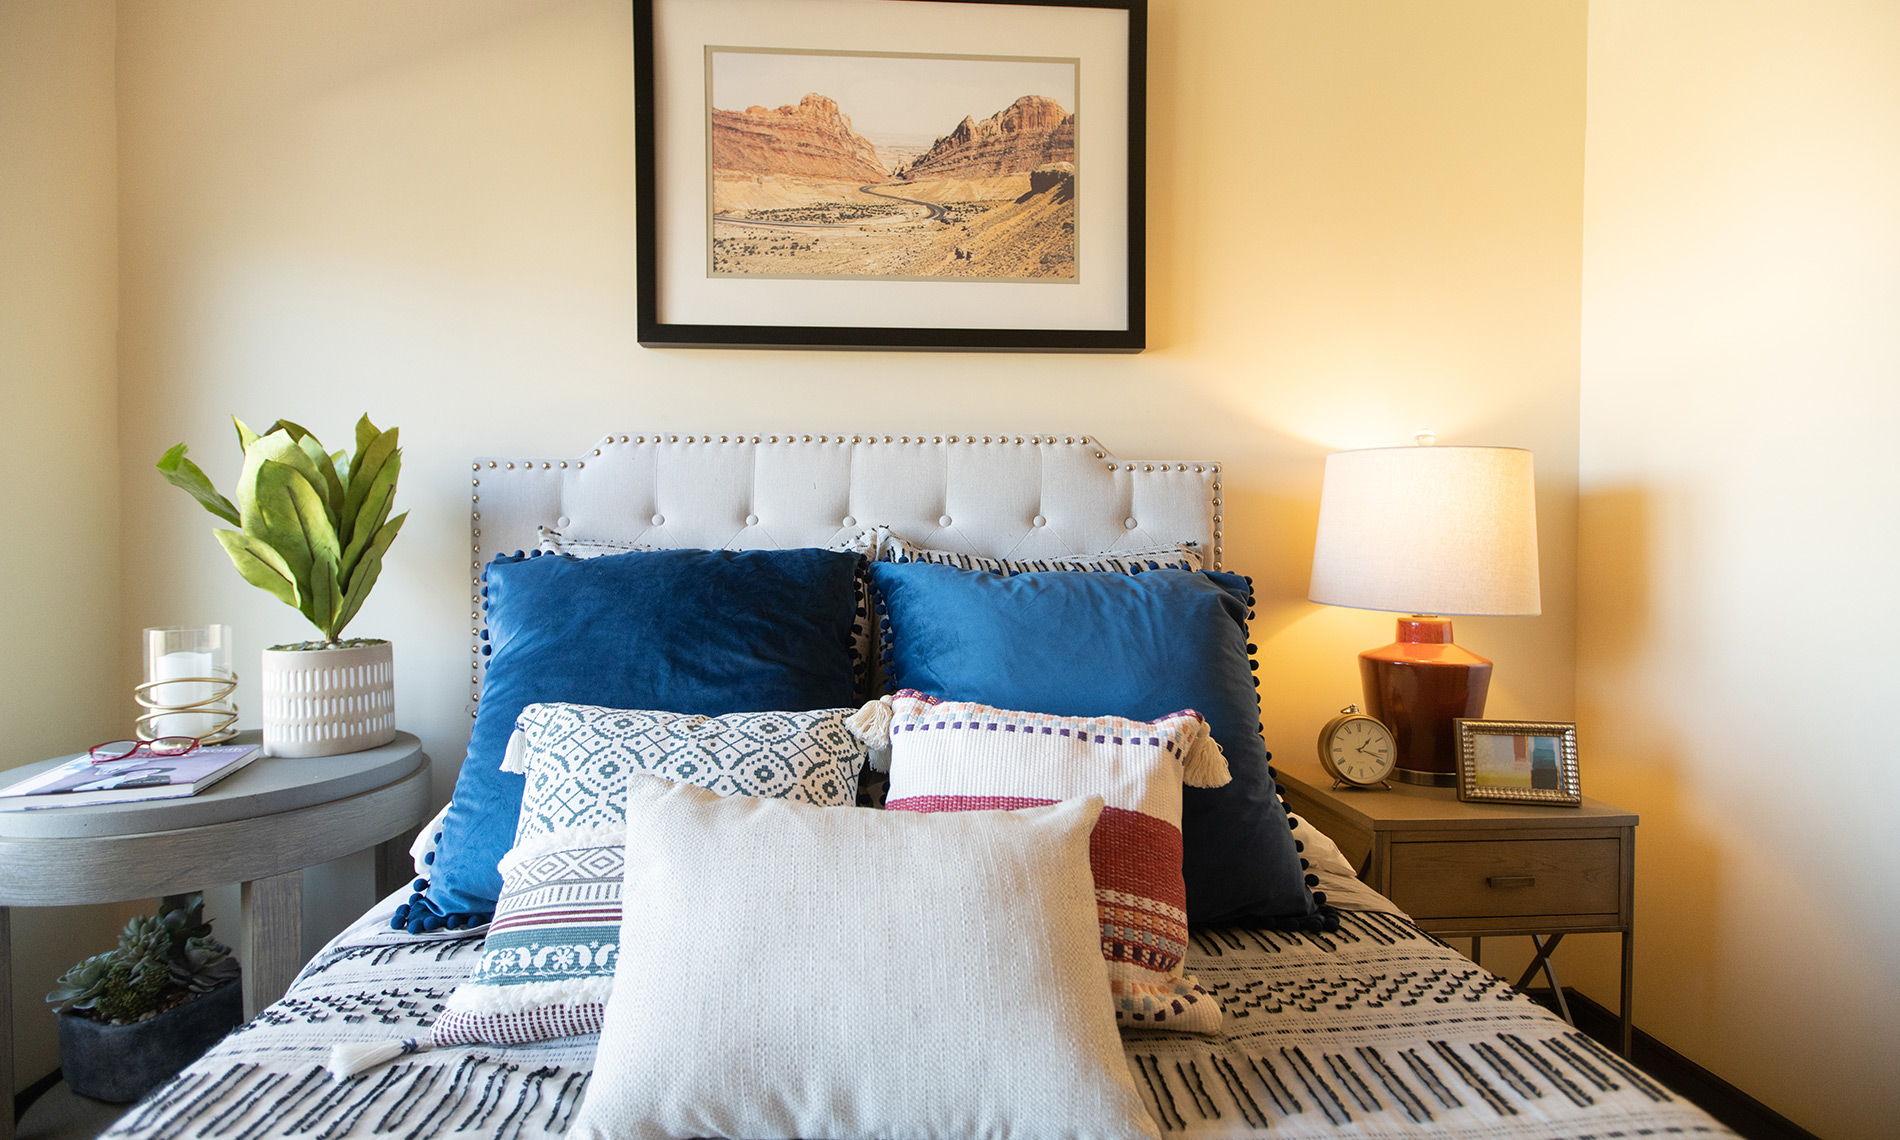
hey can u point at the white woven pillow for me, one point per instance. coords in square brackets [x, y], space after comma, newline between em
[548, 962]
[974, 1008]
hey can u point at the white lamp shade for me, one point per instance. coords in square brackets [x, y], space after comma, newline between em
[1428, 530]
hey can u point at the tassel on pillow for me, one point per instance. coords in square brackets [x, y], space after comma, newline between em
[872, 725]
[1206, 764]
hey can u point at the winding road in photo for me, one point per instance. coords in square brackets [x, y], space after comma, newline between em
[936, 214]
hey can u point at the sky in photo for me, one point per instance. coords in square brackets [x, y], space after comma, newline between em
[888, 97]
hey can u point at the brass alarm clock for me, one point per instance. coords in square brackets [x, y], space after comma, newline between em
[1357, 749]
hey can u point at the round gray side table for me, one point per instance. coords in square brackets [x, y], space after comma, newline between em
[260, 826]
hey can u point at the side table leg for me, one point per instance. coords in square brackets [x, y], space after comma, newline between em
[6, 1021]
[1629, 989]
[393, 867]
[273, 911]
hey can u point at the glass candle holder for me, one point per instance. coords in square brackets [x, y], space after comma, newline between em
[189, 684]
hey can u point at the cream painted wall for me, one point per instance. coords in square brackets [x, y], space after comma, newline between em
[60, 568]
[1364, 218]
[1740, 523]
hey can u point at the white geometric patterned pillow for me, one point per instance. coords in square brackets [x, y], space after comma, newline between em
[548, 963]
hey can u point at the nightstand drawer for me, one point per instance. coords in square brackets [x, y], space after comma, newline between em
[1506, 877]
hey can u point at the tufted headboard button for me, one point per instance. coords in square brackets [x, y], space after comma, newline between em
[1039, 521]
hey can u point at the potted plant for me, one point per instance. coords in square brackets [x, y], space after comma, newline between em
[312, 529]
[131, 1018]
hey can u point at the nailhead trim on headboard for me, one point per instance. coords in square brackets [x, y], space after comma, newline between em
[1071, 495]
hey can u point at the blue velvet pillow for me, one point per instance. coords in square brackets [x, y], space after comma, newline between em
[1139, 646]
[704, 632]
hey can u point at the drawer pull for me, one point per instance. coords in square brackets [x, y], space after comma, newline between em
[1505, 881]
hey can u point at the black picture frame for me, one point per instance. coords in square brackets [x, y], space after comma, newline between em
[1131, 336]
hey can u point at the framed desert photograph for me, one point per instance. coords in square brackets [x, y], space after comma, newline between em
[955, 174]
[1518, 762]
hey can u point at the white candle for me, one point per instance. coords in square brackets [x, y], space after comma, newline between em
[170, 667]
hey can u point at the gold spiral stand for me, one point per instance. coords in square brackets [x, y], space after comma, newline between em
[213, 705]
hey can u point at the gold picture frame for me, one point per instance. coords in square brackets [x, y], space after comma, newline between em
[1518, 762]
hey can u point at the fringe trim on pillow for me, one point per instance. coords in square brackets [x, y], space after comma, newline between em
[562, 839]
[479, 997]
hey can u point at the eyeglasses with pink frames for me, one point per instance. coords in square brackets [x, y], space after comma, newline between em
[127, 749]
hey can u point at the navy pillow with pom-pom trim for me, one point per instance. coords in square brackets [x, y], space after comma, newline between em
[704, 632]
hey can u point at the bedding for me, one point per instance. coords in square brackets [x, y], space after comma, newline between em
[690, 631]
[1374, 1030]
[1140, 646]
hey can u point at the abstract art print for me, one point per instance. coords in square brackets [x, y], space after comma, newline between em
[958, 174]
[1509, 761]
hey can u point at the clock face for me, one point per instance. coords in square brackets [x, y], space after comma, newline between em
[1361, 751]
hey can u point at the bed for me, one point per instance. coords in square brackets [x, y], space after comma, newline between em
[1359, 1024]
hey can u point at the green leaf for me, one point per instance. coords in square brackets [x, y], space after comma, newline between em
[332, 486]
[340, 462]
[261, 566]
[280, 446]
[326, 596]
[373, 511]
[372, 452]
[184, 474]
[368, 569]
[246, 437]
[291, 519]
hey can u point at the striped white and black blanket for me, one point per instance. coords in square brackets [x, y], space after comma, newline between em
[1378, 1030]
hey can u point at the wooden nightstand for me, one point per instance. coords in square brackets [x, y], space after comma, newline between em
[1476, 870]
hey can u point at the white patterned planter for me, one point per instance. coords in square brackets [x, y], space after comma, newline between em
[323, 702]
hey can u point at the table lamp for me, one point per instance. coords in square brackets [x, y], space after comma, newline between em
[1432, 532]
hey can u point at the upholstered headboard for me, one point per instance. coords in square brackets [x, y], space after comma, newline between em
[1003, 495]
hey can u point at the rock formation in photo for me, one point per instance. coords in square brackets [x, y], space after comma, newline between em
[1033, 131]
[812, 140]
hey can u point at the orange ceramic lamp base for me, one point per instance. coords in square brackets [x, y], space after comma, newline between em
[1417, 686]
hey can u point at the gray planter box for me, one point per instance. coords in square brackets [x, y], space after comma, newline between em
[121, 1063]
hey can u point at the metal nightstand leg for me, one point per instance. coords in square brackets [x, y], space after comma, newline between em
[1629, 988]
[1542, 961]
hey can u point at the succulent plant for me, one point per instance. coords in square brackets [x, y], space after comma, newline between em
[313, 526]
[161, 958]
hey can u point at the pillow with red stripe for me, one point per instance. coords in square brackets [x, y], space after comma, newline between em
[961, 756]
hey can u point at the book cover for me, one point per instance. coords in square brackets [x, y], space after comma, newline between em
[139, 777]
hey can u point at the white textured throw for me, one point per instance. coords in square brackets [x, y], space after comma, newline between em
[975, 1010]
